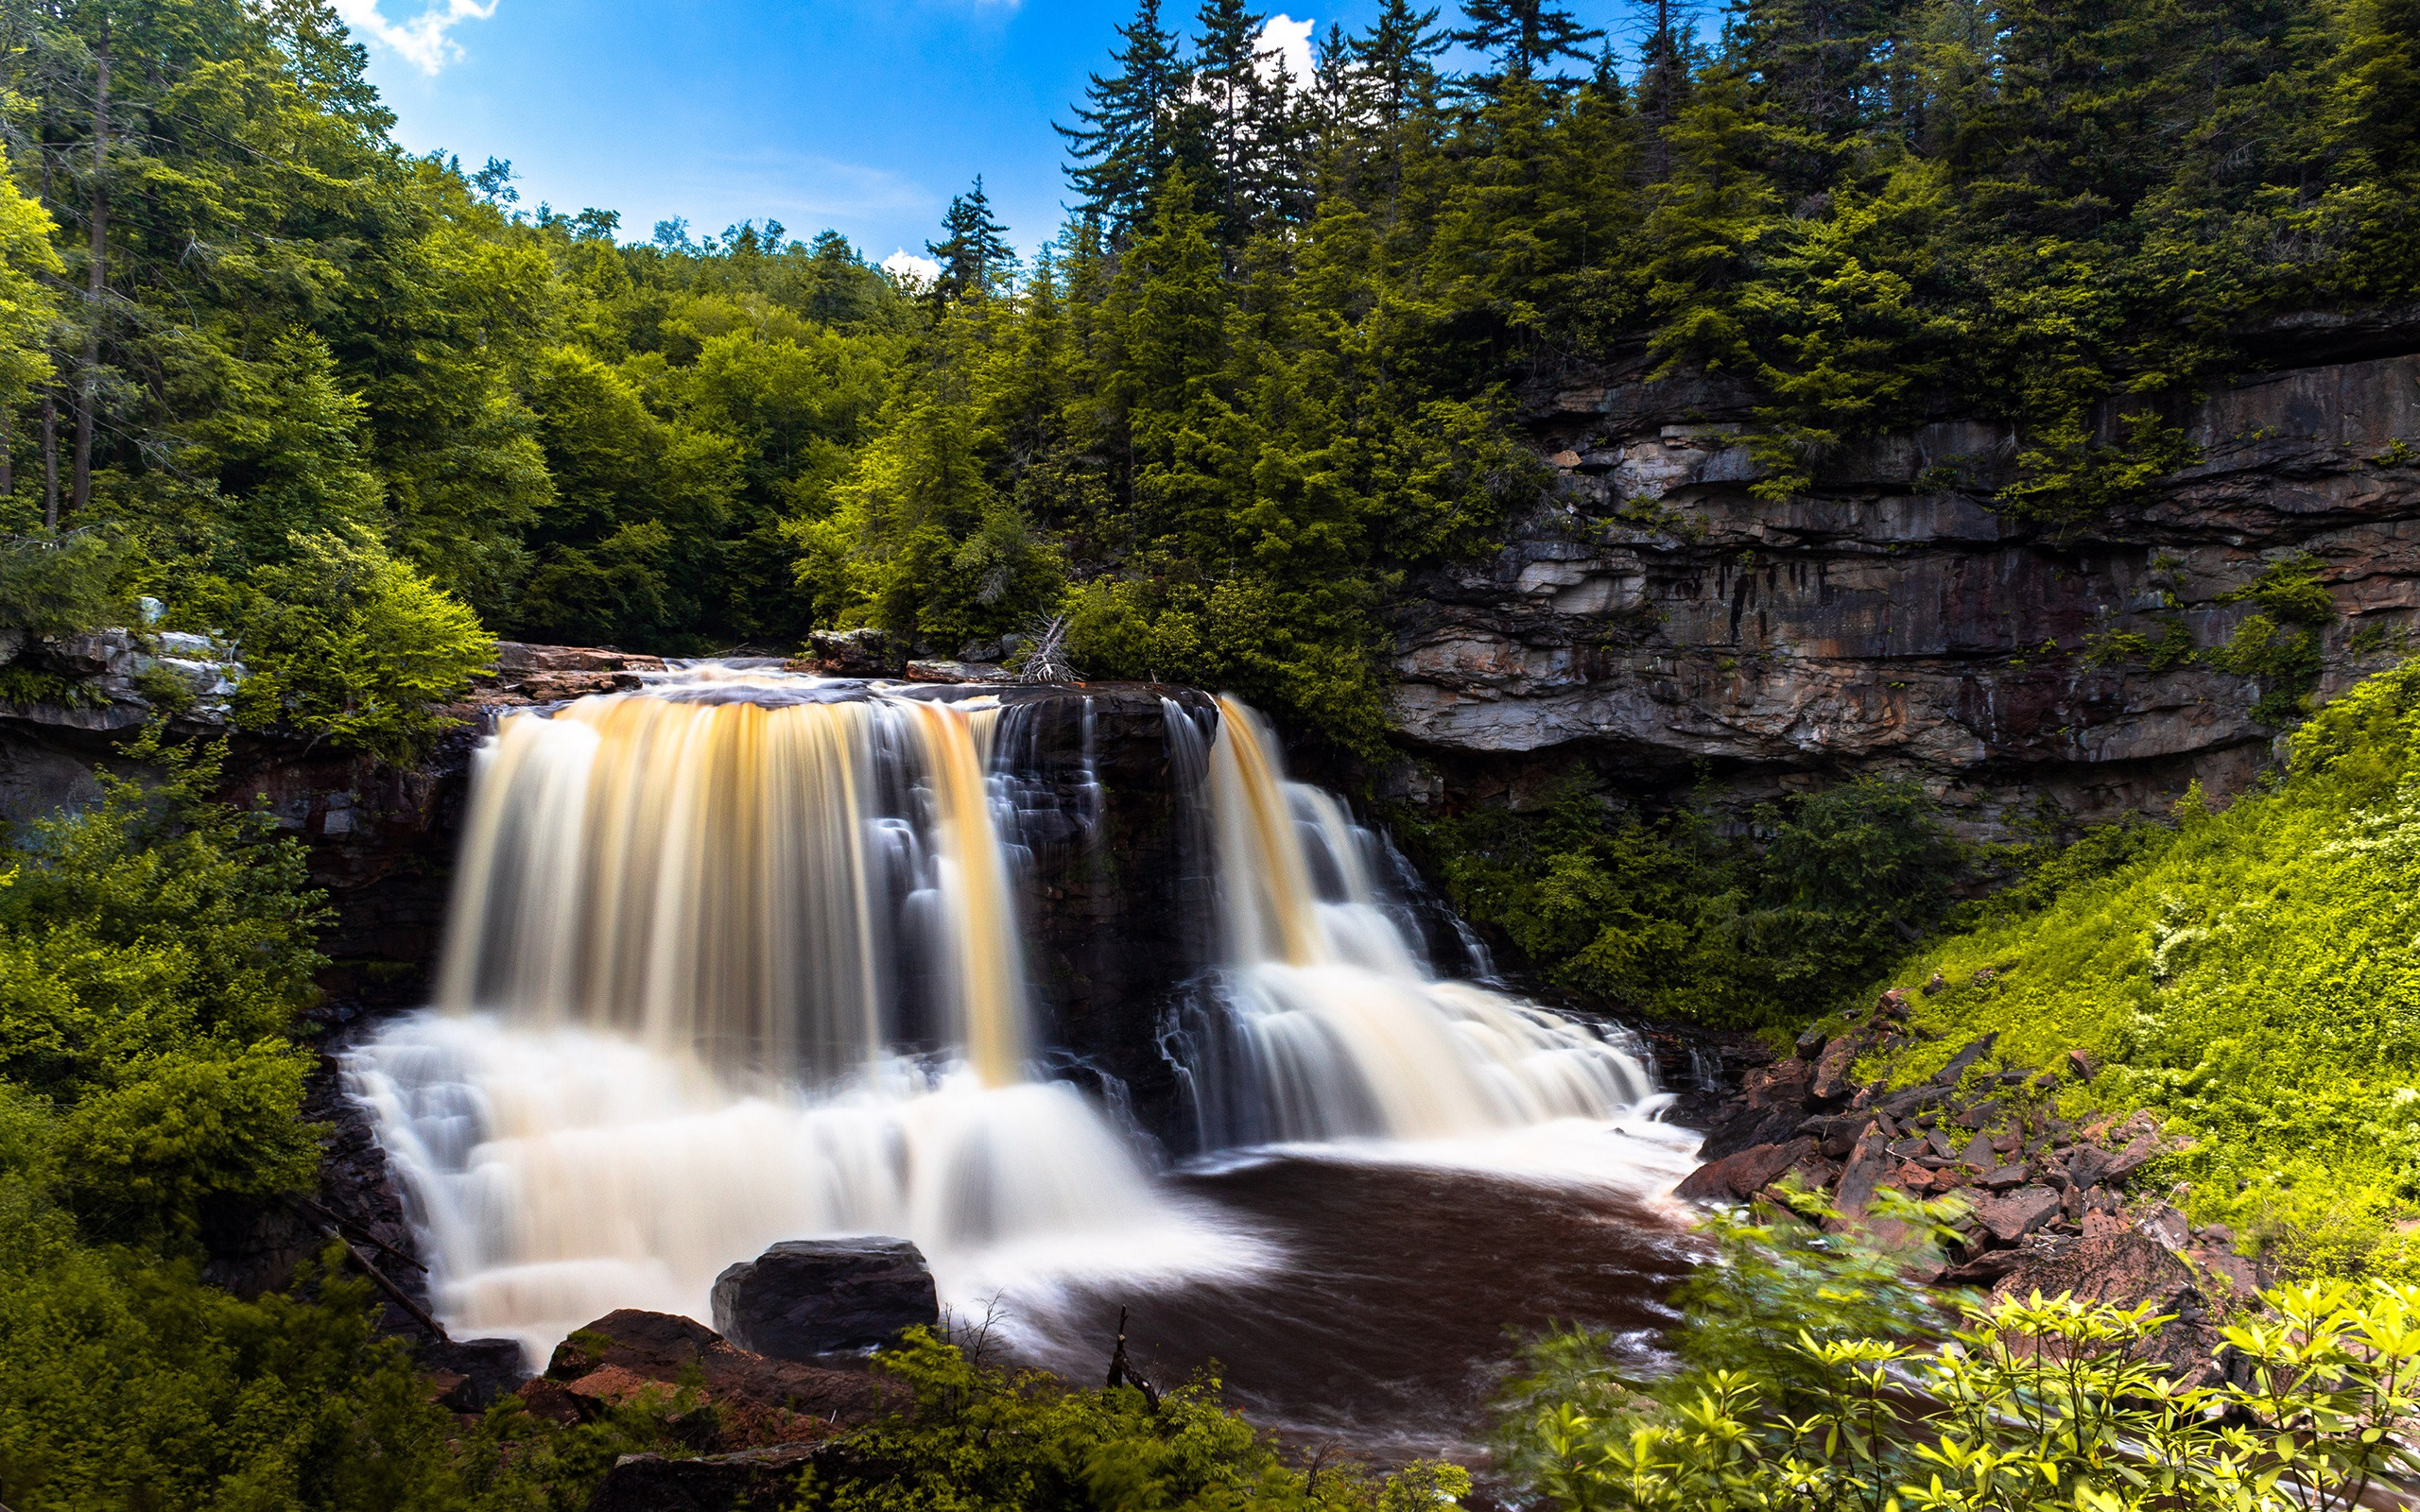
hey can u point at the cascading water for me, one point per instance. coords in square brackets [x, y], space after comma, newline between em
[1333, 1028]
[732, 962]
[740, 957]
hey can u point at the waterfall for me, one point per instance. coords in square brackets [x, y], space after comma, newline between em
[733, 960]
[1330, 1024]
[740, 957]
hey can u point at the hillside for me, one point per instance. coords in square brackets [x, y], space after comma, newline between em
[2252, 978]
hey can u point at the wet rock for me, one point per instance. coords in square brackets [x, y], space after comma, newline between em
[812, 1296]
[1737, 1175]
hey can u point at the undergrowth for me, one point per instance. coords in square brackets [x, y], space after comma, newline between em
[2254, 975]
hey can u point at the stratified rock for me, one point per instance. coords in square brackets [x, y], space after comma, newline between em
[1654, 615]
[805, 1297]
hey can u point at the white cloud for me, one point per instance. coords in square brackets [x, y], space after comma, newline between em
[908, 267]
[1292, 40]
[422, 41]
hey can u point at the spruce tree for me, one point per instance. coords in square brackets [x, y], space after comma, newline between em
[1124, 139]
[1522, 37]
[976, 254]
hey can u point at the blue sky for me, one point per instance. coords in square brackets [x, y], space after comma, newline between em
[861, 114]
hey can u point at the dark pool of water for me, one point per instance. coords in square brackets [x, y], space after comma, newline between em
[1400, 1306]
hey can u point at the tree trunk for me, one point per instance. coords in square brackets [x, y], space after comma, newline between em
[49, 461]
[99, 268]
[7, 451]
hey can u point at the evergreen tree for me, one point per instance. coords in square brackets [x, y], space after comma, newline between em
[1392, 62]
[1522, 37]
[1125, 137]
[974, 254]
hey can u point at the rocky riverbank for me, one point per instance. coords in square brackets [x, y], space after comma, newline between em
[2045, 1203]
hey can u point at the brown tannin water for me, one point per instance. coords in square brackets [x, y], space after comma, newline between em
[1399, 1302]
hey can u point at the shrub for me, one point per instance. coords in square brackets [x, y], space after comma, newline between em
[980, 1440]
[2027, 1403]
[60, 585]
[2251, 975]
[347, 644]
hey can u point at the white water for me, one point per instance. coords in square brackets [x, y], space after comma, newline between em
[739, 959]
[1338, 1029]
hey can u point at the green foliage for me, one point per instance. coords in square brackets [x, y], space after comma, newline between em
[2034, 1403]
[1680, 920]
[2249, 976]
[60, 585]
[152, 950]
[979, 1439]
[350, 645]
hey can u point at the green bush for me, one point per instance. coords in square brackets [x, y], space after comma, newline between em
[347, 644]
[2030, 1403]
[61, 585]
[1677, 918]
[978, 1439]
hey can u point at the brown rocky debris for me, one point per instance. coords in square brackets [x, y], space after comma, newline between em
[2009, 1218]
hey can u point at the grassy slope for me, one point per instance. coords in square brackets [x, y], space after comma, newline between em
[2257, 978]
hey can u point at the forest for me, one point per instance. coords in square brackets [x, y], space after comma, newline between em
[1267, 370]
[361, 413]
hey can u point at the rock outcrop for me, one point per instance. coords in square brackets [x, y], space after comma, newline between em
[1654, 614]
[631, 1355]
[807, 1298]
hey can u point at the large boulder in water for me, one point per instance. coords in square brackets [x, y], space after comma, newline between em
[809, 1296]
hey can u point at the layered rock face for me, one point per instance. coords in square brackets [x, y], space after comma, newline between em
[1654, 615]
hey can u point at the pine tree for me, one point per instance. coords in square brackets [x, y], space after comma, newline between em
[1242, 98]
[1522, 37]
[974, 255]
[1123, 141]
[1392, 61]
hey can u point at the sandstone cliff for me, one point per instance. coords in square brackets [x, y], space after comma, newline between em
[1654, 618]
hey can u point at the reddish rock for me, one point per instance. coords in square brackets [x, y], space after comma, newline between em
[2009, 1218]
[1869, 1165]
[1831, 1080]
[2081, 1065]
[2126, 1269]
[760, 1401]
[542, 1397]
[1734, 1177]
[516, 656]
